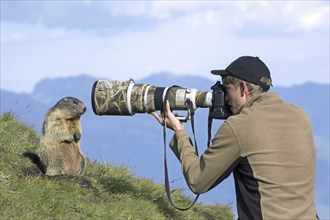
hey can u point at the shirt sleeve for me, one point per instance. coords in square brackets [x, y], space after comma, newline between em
[214, 165]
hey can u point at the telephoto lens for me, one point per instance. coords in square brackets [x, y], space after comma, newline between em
[127, 97]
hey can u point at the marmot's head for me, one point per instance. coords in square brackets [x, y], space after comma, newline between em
[71, 107]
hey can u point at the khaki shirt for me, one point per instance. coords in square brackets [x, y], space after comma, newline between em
[269, 147]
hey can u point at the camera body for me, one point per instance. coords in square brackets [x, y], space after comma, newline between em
[127, 98]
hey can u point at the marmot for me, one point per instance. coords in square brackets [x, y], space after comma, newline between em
[59, 151]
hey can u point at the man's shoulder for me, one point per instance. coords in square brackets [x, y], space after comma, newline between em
[266, 107]
[257, 108]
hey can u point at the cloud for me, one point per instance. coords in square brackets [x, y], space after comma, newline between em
[14, 38]
[307, 18]
[102, 16]
[108, 17]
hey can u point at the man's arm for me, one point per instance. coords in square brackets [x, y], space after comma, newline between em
[214, 165]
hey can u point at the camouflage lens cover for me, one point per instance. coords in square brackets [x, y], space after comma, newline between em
[110, 97]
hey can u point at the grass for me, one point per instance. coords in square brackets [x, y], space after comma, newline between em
[116, 192]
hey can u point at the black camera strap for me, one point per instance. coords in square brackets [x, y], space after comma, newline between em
[219, 109]
[167, 184]
[209, 128]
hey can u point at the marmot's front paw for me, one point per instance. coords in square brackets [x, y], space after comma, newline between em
[77, 136]
[69, 139]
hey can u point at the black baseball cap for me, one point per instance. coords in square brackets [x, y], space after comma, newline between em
[247, 68]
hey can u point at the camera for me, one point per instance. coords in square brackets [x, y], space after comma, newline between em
[127, 98]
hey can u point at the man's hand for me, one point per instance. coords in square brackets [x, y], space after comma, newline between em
[171, 121]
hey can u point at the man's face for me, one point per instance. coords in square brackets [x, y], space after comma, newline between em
[235, 98]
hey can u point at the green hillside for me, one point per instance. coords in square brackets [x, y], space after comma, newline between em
[115, 192]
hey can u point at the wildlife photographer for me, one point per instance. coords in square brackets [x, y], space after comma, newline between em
[267, 144]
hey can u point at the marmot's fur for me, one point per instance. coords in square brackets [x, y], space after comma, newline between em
[59, 151]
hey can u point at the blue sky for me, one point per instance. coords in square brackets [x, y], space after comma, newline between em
[133, 39]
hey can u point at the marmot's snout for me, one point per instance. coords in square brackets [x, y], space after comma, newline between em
[81, 108]
[84, 109]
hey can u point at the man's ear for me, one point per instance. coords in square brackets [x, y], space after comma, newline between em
[244, 89]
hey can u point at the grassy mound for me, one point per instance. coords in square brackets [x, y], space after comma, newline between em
[116, 193]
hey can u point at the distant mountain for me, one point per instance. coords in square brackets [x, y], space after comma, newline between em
[314, 99]
[136, 141]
